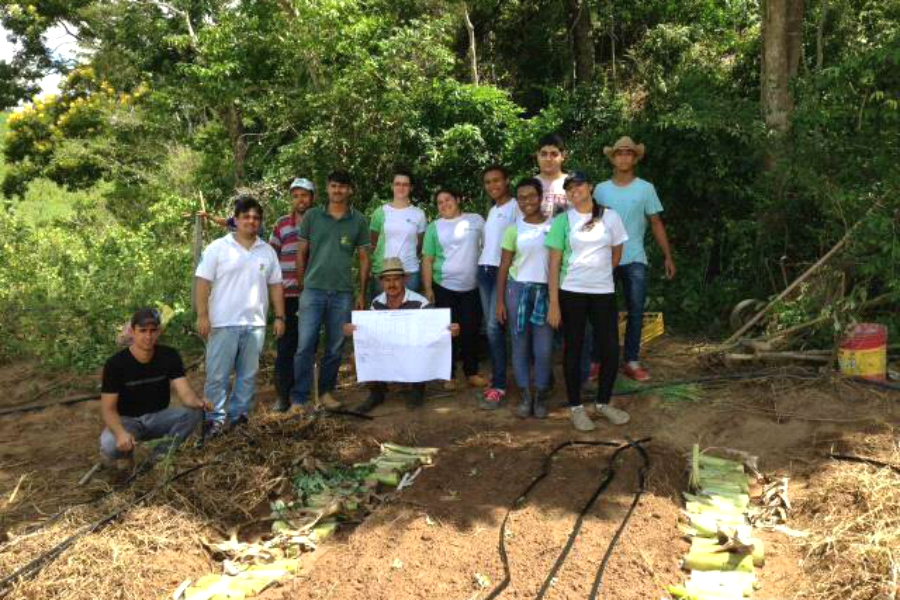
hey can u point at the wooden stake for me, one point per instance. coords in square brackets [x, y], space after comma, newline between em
[90, 474]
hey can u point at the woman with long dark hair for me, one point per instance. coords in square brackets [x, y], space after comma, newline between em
[585, 244]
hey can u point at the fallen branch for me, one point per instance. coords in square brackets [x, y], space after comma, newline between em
[813, 356]
[796, 283]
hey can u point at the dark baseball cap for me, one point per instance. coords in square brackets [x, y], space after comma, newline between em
[145, 316]
[575, 177]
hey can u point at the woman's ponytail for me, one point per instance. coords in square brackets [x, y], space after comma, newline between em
[596, 214]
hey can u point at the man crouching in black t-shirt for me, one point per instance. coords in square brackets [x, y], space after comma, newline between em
[134, 399]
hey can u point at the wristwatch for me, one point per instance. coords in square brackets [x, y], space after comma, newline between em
[279, 318]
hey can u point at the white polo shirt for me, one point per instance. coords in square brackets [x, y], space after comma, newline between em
[240, 281]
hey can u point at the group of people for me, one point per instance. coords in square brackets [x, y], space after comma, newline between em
[545, 260]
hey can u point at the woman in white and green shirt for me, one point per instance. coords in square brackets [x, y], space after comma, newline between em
[585, 244]
[522, 298]
[449, 275]
[396, 230]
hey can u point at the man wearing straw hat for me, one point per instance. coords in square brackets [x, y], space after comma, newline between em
[635, 200]
[396, 296]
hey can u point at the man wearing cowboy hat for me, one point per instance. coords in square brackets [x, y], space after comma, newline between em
[635, 200]
[396, 296]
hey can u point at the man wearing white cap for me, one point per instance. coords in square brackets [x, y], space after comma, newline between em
[284, 241]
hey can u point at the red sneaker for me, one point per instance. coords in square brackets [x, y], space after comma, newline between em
[637, 373]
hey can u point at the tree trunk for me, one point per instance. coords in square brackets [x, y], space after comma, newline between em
[473, 55]
[231, 116]
[581, 30]
[782, 23]
[820, 36]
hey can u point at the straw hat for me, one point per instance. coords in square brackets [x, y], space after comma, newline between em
[391, 266]
[625, 143]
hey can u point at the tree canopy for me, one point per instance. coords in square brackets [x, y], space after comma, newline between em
[171, 100]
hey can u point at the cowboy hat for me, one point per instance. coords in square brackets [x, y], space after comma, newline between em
[391, 266]
[625, 143]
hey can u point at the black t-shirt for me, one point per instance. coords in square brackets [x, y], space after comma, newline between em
[142, 387]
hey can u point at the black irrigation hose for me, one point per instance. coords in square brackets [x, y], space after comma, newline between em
[36, 407]
[884, 385]
[642, 483]
[710, 379]
[141, 469]
[609, 475]
[865, 461]
[37, 565]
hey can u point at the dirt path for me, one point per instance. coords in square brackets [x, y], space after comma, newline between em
[439, 538]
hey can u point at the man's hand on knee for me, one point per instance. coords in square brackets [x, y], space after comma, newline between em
[124, 442]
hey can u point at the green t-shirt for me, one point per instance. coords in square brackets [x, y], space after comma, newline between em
[331, 246]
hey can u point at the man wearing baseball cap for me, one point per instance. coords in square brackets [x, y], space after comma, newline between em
[396, 296]
[134, 398]
[284, 241]
[635, 200]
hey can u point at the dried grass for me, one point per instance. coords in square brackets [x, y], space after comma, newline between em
[159, 543]
[854, 552]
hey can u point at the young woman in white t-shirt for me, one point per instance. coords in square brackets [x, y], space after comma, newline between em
[585, 246]
[450, 276]
[396, 230]
[522, 299]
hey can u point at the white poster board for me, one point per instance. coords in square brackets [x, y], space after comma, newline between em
[402, 345]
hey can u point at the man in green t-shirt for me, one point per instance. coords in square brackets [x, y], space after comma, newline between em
[328, 238]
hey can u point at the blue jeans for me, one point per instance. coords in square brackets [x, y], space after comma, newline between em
[174, 422]
[633, 279]
[232, 349]
[285, 349]
[320, 307]
[536, 343]
[496, 333]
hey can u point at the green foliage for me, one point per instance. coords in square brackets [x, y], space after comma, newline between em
[67, 289]
[186, 98]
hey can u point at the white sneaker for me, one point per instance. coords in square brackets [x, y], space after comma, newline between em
[613, 414]
[580, 420]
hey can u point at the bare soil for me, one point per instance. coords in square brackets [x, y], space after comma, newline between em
[439, 538]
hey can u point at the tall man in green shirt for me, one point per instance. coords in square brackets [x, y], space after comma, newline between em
[328, 238]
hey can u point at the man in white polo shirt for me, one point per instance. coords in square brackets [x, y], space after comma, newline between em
[235, 278]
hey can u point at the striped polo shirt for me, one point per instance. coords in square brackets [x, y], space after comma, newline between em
[284, 241]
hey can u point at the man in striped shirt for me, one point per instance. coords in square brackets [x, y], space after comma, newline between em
[284, 241]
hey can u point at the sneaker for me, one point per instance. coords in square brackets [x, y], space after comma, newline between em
[540, 404]
[635, 371]
[580, 420]
[283, 404]
[329, 401]
[491, 398]
[369, 404]
[300, 410]
[613, 415]
[523, 409]
[418, 397]
[478, 381]
[241, 421]
[213, 429]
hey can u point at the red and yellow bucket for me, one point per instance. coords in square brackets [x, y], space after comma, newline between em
[863, 352]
